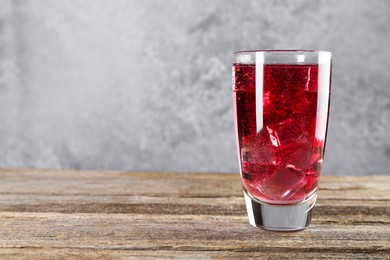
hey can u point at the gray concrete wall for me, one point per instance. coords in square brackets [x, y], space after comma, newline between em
[146, 85]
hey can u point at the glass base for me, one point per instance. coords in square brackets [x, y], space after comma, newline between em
[279, 217]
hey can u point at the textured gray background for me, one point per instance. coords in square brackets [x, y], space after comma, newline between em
[146, 85]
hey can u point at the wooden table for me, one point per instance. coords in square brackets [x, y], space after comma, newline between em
[78, 214]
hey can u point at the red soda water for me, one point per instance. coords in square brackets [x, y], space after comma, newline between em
[281, 160]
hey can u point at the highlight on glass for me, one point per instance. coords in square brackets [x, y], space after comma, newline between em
[281, 109]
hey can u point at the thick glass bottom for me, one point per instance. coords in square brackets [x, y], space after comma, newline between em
[280, 217]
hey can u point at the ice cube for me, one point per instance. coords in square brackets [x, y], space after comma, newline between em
[258, 175]
[301, 104]
[257, 172]
[316, 157]
[285, 185]
[254, 175]
[299, 158]
[276, 105]
[258, 148]
[261, 155]
[287, 132]
[315, 168]
[312, 175]
[256, 168]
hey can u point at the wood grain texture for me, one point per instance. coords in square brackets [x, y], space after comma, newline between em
[49, 214]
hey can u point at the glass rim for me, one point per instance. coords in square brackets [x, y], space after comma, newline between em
[282, 51]
[299, 57]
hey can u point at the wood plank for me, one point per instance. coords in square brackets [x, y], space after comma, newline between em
[72, 253]
[26, 181]
[347, 211]
[181, 232]
[118, 183]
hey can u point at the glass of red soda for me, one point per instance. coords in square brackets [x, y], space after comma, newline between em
[281, 110]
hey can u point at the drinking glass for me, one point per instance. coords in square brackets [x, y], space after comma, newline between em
[281, 110]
